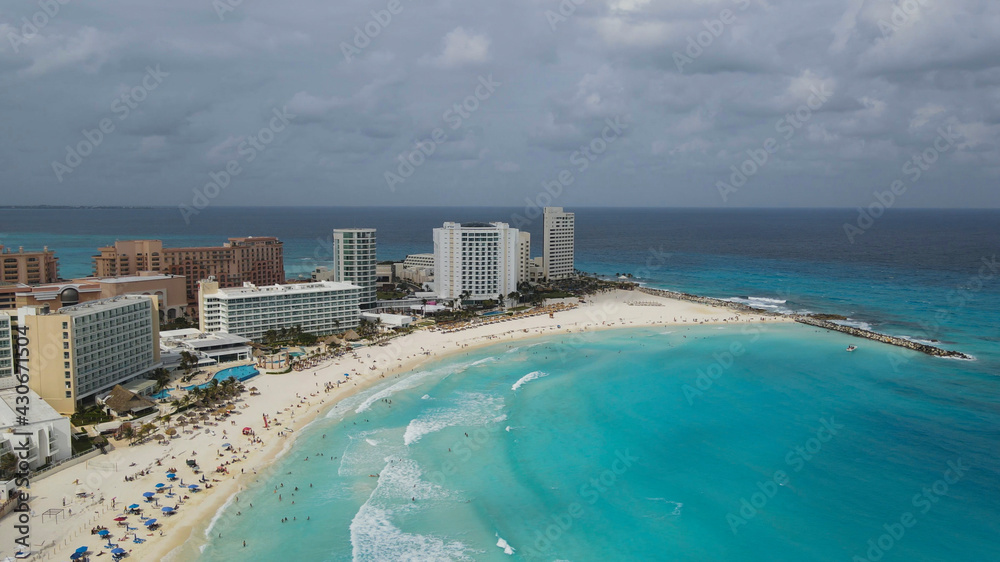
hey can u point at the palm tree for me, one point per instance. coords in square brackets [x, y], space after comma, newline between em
[514, 296]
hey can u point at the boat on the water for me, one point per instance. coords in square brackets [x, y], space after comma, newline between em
[851, 347]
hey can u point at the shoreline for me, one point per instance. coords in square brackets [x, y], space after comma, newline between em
[371, 364]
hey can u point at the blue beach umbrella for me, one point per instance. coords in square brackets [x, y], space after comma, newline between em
[82, 549]
[118, 551]
[160, 485]
[167, 509]
[150, 522]
[76, 556]
[148, 494]
[193, 487]
[171, 475]
[104, 532]
[134, 506]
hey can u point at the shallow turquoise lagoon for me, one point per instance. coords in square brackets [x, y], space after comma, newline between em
[698, 443]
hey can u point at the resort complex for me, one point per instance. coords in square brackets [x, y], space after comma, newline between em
[319, 308]
[76, 352]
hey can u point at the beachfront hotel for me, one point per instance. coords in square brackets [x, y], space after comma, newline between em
[354, 261]
[28, 268]
[258, 260]
[319, 308]
[477, 259]
[558, 249]
[6, 352]
[81, 351]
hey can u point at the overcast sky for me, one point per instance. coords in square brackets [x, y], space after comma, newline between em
[668, 95]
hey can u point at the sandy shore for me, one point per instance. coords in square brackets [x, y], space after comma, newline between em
[291, 400]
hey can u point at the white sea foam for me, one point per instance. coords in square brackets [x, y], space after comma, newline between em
[507, 549]
[677, 505]
[471, 409]
[528, 378]
[425, 397]
[374, 536]
[854, 324]
[482, 361]
[765, 303]
[368, 451]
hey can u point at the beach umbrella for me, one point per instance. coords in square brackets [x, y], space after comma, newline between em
[82, 549]
[160, 485]
[167, 509]
[134, 506]
[120, 519]
[193, 487]
[150, 522]
[104, 532]
[171, 475]
[148, 494]
[226, 445]
[118, 551]
[75, 555]
[171, 432]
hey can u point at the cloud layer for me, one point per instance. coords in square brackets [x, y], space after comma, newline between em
[481, 103]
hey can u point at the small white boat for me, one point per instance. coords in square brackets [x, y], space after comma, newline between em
[851, 347]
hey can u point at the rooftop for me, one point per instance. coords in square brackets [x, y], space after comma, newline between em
[315, 287]
[39, 412]
[102, 305]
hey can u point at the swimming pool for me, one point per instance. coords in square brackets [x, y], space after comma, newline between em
[240, 373]
[494, 313]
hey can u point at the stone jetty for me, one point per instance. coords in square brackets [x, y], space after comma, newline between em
[811, 321]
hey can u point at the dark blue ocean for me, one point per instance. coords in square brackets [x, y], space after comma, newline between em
[798, 451]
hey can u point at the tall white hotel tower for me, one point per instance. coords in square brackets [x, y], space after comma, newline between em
[354, 261]
[559, 228]
[476, 257]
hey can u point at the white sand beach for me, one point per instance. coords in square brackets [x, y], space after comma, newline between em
[291, 400]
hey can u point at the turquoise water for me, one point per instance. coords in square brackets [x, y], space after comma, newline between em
[240, 373]
[494, 313]
[679, 443]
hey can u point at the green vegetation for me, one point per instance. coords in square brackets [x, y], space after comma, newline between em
[93, 414]
[82, 443]
[289, 336]
[8, 466]
[389, 295]
[177, 324]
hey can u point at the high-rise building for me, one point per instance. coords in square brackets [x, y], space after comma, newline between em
[319, 308]
[478, 260]
[354, 261]
[558, 251]
[29, 268]
[81, 351]
[258, 260]
[523, 256]
[6, 352]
